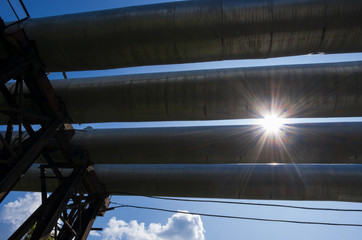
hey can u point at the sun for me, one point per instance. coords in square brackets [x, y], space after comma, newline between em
[272, 123]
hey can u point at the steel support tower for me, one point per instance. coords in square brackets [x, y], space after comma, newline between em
[72, 208]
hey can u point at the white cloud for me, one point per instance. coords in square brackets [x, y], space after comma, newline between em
[18, 211]
[179, 227]
[94, 233]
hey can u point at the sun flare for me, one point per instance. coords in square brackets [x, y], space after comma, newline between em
[272, 123]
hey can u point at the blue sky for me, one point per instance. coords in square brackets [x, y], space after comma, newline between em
[215, 228]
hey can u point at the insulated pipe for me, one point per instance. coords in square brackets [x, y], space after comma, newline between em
[311, 90]
[193, 31]
[297, 143]
[331, 182]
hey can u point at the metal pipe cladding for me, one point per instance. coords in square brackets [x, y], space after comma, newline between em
[295, 143]
[337, 182]
[310, 90]
[194, 31]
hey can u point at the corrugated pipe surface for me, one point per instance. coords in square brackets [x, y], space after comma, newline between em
[193, 31]
[312, 90]
[340, 182]
[297, 143]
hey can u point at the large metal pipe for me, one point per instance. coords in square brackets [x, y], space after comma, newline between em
[312, 90]
[198, 30]
[341, 182]
[297, 143]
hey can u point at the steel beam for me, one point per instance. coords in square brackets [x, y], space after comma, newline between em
[72, 201]
[17, 156]
[84, 222]
[31, 151]
[47, 214]
[191, 31]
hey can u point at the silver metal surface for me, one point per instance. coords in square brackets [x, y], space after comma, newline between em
[312, 90]
[297, 143]
[339, 182]
[193, 31]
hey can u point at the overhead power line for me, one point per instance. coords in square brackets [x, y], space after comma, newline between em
[249, 203]
[237, 217]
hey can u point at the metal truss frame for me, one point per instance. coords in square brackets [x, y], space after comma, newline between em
[69, 212]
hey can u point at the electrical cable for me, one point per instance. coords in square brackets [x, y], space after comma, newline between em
[248, 203]
[237, 217]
